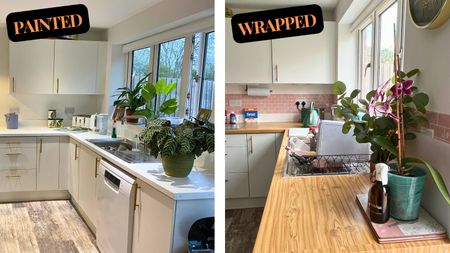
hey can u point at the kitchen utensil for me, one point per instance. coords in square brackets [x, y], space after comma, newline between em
[12, 120]
[310, 116]
[102, 123]
[51, 114]
[55, 123]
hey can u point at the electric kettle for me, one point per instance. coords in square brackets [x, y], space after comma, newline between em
[310, 117]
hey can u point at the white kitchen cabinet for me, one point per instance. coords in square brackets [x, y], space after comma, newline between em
[262, 158]
[76, 66]
[246, 62]
[236, 166]
[161, 224]
[64, 162]
[88, 169]
[31, 66]
[309, 59]
[17, 164]
[73, 175]
[47, 163]
[236, 185]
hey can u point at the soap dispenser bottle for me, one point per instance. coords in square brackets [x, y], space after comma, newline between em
[379, 197]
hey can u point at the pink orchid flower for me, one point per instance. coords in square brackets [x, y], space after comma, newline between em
[403, 88]
[380, 103]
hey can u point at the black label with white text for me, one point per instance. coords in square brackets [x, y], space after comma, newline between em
[279, 23]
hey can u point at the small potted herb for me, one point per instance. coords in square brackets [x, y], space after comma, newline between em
[178, 146]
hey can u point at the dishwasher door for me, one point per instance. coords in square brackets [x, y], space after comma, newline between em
[115, 196]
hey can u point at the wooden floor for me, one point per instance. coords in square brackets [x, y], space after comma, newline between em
[45, 227]
[241, 228]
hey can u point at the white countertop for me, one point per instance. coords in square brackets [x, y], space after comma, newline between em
[198, 185]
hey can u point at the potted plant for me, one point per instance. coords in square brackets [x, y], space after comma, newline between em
[385, 118]
[140, 100]
[178, 146]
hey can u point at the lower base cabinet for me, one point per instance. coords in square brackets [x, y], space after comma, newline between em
[162, 224]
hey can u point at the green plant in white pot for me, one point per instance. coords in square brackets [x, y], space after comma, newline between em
[386, 118]
[178, 146]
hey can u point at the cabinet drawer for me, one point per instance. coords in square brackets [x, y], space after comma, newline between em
[236, 159]
[17, 180]
[17, 142]
[236, 185]
[235, 140]
[17, 158]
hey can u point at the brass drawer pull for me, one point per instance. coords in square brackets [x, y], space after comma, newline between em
[13, 176]
[97, 163]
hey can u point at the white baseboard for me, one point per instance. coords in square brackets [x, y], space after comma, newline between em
[244, 203]
[9, 197]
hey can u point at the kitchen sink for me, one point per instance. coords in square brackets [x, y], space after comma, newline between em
[126, 150]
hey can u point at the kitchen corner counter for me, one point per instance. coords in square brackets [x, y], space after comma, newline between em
[198, 185]
[263, 127]
[320, 214]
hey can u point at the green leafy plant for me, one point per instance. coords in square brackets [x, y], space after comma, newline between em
[187, 138]
[375, 120]
[141, 98]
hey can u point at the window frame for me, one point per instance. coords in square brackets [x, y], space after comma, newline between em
[186, 66]
[374, 18]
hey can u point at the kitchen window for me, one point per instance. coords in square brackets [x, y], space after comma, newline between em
[169, 59]
[376, 45]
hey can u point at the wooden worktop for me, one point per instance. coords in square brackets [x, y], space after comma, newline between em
[263, 127]
[320, 214]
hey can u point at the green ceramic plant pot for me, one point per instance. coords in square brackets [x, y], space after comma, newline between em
[178, 165]
[406, 193]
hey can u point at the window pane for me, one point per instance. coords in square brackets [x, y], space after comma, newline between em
[207, 93]
[193, 95]
[140, 66]
[366, 60]
[170, 65]
[386, 51]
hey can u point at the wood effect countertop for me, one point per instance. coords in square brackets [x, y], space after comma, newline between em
[320, 214]
[263, 127]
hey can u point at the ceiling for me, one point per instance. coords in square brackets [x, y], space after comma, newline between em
[102, 13]
[267, 4]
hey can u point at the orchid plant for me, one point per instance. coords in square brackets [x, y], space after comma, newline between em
[376, 119]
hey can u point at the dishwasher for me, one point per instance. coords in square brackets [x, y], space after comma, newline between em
[115, 199]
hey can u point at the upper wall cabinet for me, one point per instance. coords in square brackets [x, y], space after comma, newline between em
[57, 67]
[306, 59]
[31, 66]
[246, 62]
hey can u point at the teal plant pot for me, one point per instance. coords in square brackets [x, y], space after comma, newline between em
[178, 165]
[406, 193]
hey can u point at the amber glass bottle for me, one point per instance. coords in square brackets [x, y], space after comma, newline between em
[379, 195]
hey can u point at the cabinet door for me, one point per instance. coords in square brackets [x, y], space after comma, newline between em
[31, 66]
[153, 221]
[73, 176]
[306, 59]
[236, 185]
[261, 163]
[246, 62]
[76, 66]
[89, 162]
[236, 159]
[64, 162]
[48, 163]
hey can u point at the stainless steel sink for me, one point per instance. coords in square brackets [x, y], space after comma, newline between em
[126, 150]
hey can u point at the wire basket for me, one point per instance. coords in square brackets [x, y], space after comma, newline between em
[327, 164]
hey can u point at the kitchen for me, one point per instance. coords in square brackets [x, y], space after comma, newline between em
[270, 85]
[76, 172]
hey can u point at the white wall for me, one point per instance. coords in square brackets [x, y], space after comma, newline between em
[347, 56]
[429, 51]
[34, 107]
[161, 17]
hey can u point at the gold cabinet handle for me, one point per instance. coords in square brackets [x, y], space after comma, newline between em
[40, 145]
[136, 205]
[251, 144]
[276, 73]
[97, 163]
[57, 85]
[13, 85]
[13, 176]
[76, 151]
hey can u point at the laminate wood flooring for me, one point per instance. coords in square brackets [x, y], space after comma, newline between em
[241, 229]
[44, 227]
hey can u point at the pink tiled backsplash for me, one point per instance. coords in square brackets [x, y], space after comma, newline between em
[440, 123]
[279, 103]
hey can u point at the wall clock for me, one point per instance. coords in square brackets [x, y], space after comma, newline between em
[429, 14]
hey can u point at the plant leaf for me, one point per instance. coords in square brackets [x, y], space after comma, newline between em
[363, 102]
[421, 99]
[338, 88]
[169, 106]
[346, 127]
[149, 92]
[410, 136]
[354, 94]
[385, 143]
[435, 174]
[169, 88]
[370, 95]
[412, 72]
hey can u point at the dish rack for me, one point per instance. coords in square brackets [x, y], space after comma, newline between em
[302, 165]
